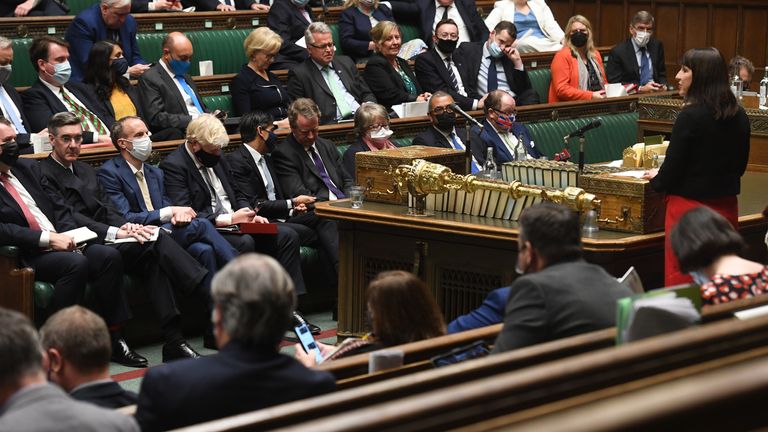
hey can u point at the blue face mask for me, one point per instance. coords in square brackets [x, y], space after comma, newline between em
[62, 72]
[494, 50]
[179, 67]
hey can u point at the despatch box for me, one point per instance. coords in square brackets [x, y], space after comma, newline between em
[373, 168]
[629, 204]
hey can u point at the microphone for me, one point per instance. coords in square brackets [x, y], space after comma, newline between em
[456, 108]
[589, 126]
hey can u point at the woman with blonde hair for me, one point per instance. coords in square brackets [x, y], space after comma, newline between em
[577, 69]
[255, 88]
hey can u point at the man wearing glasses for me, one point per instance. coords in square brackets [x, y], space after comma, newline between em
[639, 60]
[331, 81]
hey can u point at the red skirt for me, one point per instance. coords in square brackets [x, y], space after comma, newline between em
[677, 206]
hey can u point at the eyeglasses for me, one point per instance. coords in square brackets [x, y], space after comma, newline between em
[68, 139]
[512, 113]
[327, 46]
[441, 110]
[646, 29]
[448, 36]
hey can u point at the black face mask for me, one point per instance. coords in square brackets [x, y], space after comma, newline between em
[579, 39]
[10, 153]
[446, 121]
[446, 46]
[208, 160]
[271, 141]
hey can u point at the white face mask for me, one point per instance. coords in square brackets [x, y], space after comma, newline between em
[380, 134]
[141, 148]
[642, 38]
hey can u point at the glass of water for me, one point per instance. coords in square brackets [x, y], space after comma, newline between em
[355, 194]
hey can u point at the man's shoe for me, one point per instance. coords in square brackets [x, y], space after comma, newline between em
[178, 350]
[298, 319]
[124, 355]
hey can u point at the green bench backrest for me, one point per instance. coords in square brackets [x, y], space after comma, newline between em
[409, 32]
[223, 47]
[540, 79]
[336, 39]
[76, 6]
[220, 102]
[605, 143]
[23, 73]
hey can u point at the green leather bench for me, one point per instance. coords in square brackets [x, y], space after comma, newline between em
[23, 73]
[540, 79]
[76, 6]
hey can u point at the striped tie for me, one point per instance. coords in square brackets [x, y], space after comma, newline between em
[449, 65]
[87, 118]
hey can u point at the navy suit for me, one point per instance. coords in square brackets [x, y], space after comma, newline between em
[287, 20]
[476, 27]
[433, 138]
[489, 313]
[236, 380]
[355, 29]
[185, 186]
[490, 137]
[87, 28]
[105, 394]
[432, 73]
[622, 66]
[199, 237]
[22, 139]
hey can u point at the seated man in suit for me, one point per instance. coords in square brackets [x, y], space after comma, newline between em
[53, 92]
[501, 132]
[495, 64]
[489, 313]
[34, 218]
[11, 106]
[289, 19]
[254, 174]
[22, 8]
[640, 59]
[29, 403]
[253, 299]
[77, 343]
[464, 13]
[110, 19]
[332, 81]
[444, 132]
[559, 294]
[307, 164]
[169, 97]
[437, 70]
[163, 263]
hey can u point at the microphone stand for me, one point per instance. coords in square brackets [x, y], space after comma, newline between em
[582, 140]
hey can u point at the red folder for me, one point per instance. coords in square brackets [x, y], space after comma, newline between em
[258, 228]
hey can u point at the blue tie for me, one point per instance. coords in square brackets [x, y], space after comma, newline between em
[493, 79]
[12, 116]
[324, 174]
[188, 90]
[457, 146]
[645, 67]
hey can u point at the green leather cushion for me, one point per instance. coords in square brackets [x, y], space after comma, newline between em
[409, 32]
[540, 79]
[76, 6]
[220, 102]
[223, 47]
[23, 73]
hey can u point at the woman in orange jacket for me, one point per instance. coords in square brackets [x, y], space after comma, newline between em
[577, 69]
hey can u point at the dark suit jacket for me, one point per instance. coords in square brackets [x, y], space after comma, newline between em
[236, 380]
[385, 82]
[14, 229]
[298, 174]
[564, 299]
[433, 138]
[355, 29]
[121, 186]
[40, 104]
[88, 28]
[476, 27]
[287, 21]
[306, 80]
[133, 94]
[22, 139]
[349, 156]
[162, 103]
[93, 208]
[471, 57]
[501, 154]
[246, 177]
[622, 66]
[185, 185]
[106, 394]
[433, 76]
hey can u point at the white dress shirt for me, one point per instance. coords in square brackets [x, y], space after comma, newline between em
[453, 13]
[191, 108]
[45, 224]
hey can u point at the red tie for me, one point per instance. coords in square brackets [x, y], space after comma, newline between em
[31, 221]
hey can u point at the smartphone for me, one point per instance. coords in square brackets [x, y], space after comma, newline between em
[308, 342]
[468, 352]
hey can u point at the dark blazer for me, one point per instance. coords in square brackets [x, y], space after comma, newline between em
[251, 92]
[433, 77]
[22, 139]
[185, 185]
[162, 103]
[501, 153]
[622, 66]
[40, 104]
[385, 82]
[133, 94]
[298, 174]
[433, 138]
[236, 380]
[476, 27]
[349, 156]
[121, 186]
[564, 299]
[106, 394]
[87, 28]
[286, 20]
[489, 313]
[306, 80]
[14, 229]
[246, 177]
[355, 29]
[471, 55]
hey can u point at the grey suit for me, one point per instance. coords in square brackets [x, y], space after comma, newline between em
[563, 299]
[45, 407]
[161, 101]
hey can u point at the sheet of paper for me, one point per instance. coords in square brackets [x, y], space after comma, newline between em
[81, 235]
[635, 174]
[152, 238]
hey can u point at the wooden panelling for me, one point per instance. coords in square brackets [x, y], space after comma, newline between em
[695, 24]
[613, 24]
[723, 35]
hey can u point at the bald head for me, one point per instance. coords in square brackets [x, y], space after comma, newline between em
[176, 46]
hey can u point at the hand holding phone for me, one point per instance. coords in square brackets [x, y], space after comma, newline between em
[308, 342]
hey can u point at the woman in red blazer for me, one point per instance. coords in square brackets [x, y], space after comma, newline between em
[577, 69]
